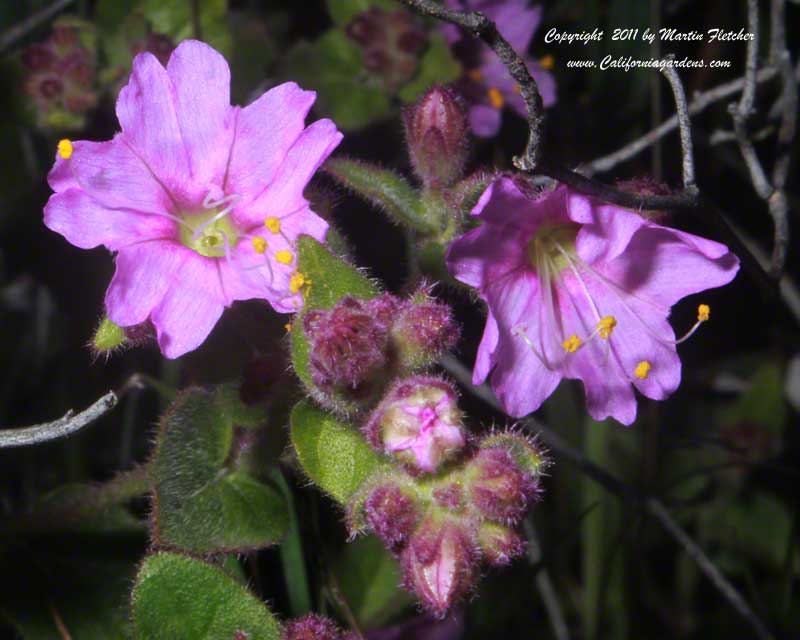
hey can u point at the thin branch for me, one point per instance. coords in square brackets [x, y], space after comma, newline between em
[11, 36]
[479, 25]
[69, 424]
[611, 483]
[751, 64]
[684, 126]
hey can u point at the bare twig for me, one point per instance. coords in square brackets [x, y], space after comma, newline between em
[651, 505]
[479, 25]
[61, 428]
[684, 126]
[11, 36]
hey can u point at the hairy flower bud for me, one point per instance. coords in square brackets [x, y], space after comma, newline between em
[498, 488]
[436, 133]
[439, 564]
[418, 422]
[311, 627]
[423, 331]
[109, 337]
[392, 513]
[499, 544]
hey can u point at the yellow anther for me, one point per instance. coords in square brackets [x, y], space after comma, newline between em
[547, 62]
[273, 224]
[475, 75]
[296, 282]
[703, 312]
[65, 148]
[259, 244]
[288, 327]
[495, 98]
[284, 257]
[572, 344]
[605, 326]
[642, 369]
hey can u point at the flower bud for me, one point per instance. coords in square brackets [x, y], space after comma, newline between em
[439, 564]
[497, 487]
[311, 627]
[109, 337]
[436, 134]
[418, 422]
[500, 544]
[423, 332]
[348, 345]
[392, 514]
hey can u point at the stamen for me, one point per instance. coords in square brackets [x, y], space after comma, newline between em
[259, 244]
[642, 369]
[65, 148]
[519, 331]
[208, 203]
[273, 224]
[475, 75]
[297, 282]
[605, 326]
[288, 327]
[284, 256]
[547, 62]
[495, 98]
[572, 344]
[703, 314]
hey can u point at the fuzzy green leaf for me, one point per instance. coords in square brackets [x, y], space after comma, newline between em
[343, 11]
[333, 454]
[179, 598]
[385, 189]
[175, 19]
[199, 505]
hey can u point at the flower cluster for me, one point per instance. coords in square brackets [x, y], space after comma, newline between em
[442, 516]
[201, 200]
[581, 289]
[314, 627]
[61, 74]
[486, 83]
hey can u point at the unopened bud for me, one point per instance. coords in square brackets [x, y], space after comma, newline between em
[418, 422]
[392, 513]
[439, 564]
[436, 134]
[423, 332]
[108, 337]
[498, 488]
[500, 544]
[311, 627]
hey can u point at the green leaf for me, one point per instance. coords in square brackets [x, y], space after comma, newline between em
[343, 11]
[199, 505]
[179, 598]
[346, 92]
[175, 20]
[333, 454]
[369, 578]
[438, 66]
[385, 189]
[331, 279]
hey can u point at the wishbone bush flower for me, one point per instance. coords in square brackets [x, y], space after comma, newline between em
[577, 288]
[202, 201]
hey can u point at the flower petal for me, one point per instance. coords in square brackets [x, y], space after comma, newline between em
[201, 80]
[265, 131]
[487, 350]
[87, 224]
[144, 274]
[484, 120]
[605, 229]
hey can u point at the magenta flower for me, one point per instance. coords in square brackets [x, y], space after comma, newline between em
[577, 288]
[202, 201]
[487, 84]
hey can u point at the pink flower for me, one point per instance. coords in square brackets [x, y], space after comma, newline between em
[580, 289]
[201, 200]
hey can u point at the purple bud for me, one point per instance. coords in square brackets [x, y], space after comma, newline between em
[37, 57]
[424, 331]
[311, 627]
[366, 28]
[50, 87]
[392, 514]
[439, 564]
[498, 488]
[500, 544]
[418, 422]
[348, 345]
[450, 496]
[436, 134]
[385, 308]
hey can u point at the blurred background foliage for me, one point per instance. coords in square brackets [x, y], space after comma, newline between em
[722, 453]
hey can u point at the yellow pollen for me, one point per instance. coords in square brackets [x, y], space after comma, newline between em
[296, 282]
[703, 312]
[284, 257]
[547, 62]
[475, 75]
[642, 369]
[273, 224]
[259, 244]
[288, 327]
[572, 344]
[605, 326]
[495, 98]
[65, 148]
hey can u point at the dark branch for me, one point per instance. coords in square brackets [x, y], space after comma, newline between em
[480, 26]
[684, 126]
[11, 36]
